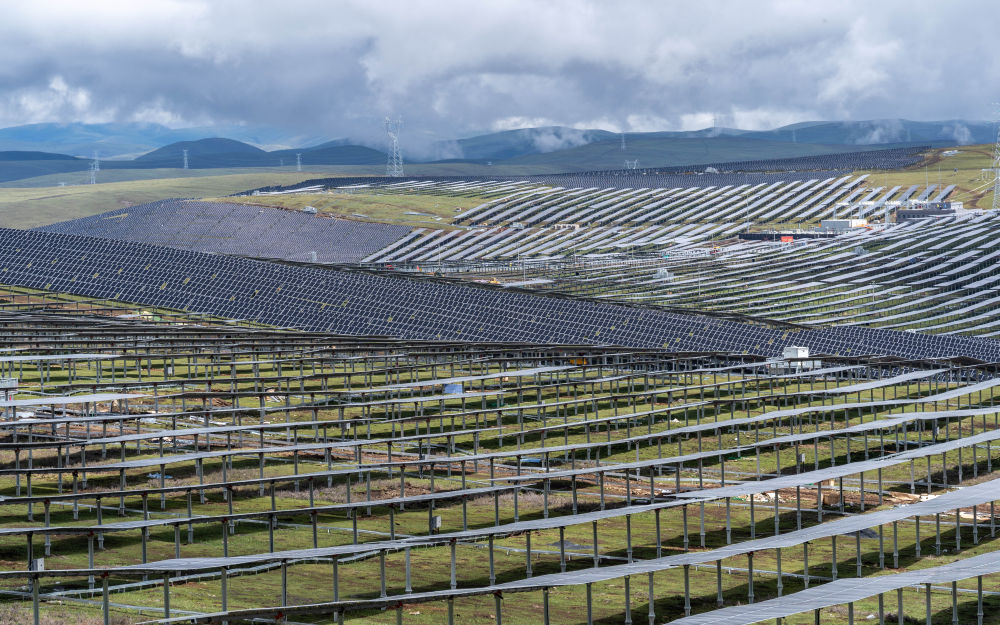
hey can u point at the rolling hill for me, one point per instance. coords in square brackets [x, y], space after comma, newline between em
[128, 140]
[203, 153]
[338, 152]
[226, 153]
[655, 151]
[19, 164]
[516, 145]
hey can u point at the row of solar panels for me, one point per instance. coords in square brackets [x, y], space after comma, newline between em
[688, 216]
[229, 228]
[356, 303]
[935, 275]
[733, 173]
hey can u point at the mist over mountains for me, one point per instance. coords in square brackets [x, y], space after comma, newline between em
[40, 149]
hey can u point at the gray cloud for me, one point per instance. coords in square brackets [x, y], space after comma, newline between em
[453, 68]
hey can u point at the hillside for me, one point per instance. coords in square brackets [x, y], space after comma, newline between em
[203, 153]
[18, 165]
[512, 144]
[659, 151]
[882, 131]
[227, 153]
[127, 140]
[29, 208]
[19, 155]
[333, 153]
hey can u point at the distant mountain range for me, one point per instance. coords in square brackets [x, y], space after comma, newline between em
[881, 132]
[210, 153]
[217, 152]
[39, 149]
[129, 140]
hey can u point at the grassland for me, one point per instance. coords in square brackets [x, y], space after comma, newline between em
[40, 201]
[313, 171]
[312, 581]
[32, 207]
[438, 210]
[963, 169]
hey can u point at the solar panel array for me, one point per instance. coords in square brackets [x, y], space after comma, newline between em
[359, 303]
[547, 222]
[227, 228]
[521, 221]
[936, 276]
[805, 201]
[552, 471]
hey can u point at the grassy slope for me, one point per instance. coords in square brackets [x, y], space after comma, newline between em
[381, 207]
[971, 188]
[126, 175]
[31, 207]
[311, 582]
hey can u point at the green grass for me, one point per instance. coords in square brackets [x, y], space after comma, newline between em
[379, 207]
[32, 207]
[971, 188]
[311, 582]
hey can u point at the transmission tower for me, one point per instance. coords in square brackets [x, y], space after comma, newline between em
[185, 159]
[298, 161]
[95, 166]
[394, 167]
[996, 170]
[633, 164]
[623, 142]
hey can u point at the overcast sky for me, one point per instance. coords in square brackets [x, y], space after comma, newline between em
[454, 68]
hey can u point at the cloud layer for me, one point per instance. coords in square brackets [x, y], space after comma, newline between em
[453, 68]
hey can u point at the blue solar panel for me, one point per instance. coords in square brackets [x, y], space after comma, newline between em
[225, 228]
[359, 303]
